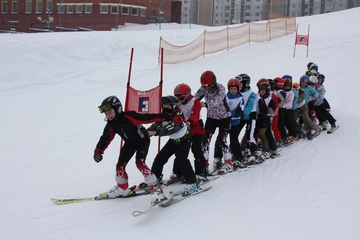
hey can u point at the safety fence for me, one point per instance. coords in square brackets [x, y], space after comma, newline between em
[215, 41]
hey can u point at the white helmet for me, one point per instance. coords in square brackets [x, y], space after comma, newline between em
[313, 79]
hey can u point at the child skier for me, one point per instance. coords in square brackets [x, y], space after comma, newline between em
[128, 126]
[179, 144]
[218, 116]
[235, 102]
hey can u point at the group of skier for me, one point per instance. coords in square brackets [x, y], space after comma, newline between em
[278, 114]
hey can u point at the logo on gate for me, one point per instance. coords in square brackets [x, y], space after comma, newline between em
[143, 104]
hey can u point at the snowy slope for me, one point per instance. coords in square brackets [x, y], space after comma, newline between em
[51, 85]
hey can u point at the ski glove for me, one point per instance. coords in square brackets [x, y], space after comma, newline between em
[98, 157]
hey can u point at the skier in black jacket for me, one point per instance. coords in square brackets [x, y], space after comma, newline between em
[128, 126]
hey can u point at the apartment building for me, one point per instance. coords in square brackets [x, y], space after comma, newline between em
[225, 12]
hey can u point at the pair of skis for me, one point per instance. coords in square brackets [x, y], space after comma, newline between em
[64, 201]
[174, 198]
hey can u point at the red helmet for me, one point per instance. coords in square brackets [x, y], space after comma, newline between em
[233, 82]
[279, 82]
[207, 79]
[262, 81]
[182, 92]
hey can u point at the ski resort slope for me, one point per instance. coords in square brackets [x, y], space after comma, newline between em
[51, 85]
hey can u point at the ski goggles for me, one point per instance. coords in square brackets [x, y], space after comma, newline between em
[104, 108]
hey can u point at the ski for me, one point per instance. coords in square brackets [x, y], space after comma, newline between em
[310, 137]
[178, 197]
[64, 201]
[331, 131]
[174, 198]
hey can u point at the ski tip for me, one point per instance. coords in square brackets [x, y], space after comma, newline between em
[137, 213]
[57, 201]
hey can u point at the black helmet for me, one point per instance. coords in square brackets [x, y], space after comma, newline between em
[272, 84]
[309, 65]
[173, 101]
[245, 79]
[111, 102]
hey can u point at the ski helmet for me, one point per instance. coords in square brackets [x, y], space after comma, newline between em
[111, 102]
[272, 84]
[304, 78]
[313, 80]
[173, 101]
[321, 76]
[263, 82]
[233, 82]
[287, 77]
[308, 65]
[245, 79]
[296, 86]
[182, 92]
[279, 82]
[208, 79]
[314, 69]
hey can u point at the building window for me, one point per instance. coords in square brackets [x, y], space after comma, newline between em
[28, 7]
[134, 11]
[4, 6]
[49, 6]
[38, 6]
[88, 8]
[79, 8]
[103, 9]
[142, 12]
[125, 10]
[61, 9]
[14, 6]
[70, 9]
[114, 9]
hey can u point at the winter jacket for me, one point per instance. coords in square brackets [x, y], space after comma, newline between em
[176, 132]
[191, 113]
[128, 126]
[320, 99]
[250, 103]
[289, 99]
[236, 105]
[217, 107]
[262, 114]
[281, 96]
[310, 92]
[301, 100]
[296, 96]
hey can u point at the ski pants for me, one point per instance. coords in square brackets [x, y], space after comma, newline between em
[141, 148]
[181, 161]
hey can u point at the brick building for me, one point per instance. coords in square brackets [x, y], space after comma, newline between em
[39, 15]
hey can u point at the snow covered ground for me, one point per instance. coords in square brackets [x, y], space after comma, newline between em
[51, 85]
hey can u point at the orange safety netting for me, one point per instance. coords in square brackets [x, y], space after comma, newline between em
[215, 41]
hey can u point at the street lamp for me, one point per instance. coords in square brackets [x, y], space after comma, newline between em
[38, 19]
[47, 22]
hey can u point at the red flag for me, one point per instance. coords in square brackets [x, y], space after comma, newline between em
[144, 101]
[302, 39]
